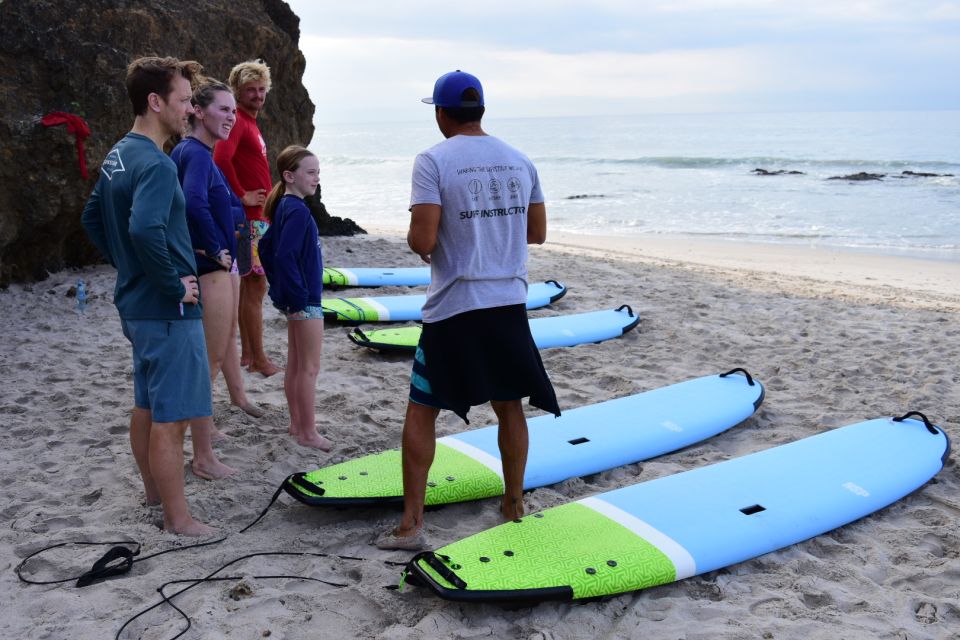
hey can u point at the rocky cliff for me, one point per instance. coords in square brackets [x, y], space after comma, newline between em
[72, 57]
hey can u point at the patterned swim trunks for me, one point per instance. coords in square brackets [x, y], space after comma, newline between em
[248, 257]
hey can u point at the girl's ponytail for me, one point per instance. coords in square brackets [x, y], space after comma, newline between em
[273, 199]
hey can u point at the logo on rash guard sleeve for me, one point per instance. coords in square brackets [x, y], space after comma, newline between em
[112, 164]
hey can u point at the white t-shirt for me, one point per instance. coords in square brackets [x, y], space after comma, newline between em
[484, 187]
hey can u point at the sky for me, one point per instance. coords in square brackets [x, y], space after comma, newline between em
[373, 61]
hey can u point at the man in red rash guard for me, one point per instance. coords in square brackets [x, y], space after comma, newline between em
[243, 160]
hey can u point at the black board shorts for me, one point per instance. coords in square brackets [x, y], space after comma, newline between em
[478, 356]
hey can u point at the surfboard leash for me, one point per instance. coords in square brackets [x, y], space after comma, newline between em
[120, 559]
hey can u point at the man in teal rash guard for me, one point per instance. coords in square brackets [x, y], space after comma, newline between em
[136, 217]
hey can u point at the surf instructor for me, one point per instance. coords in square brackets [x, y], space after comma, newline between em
[243, 159]
[476, 204]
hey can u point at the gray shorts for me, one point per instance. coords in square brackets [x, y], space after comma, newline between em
[171, 376]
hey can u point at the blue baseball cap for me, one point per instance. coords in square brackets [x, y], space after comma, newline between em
[449, 88]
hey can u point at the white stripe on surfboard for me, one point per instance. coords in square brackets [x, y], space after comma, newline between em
[682, 561]
[382, 312]
[479, 455]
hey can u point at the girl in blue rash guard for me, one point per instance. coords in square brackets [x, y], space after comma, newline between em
[290, 254]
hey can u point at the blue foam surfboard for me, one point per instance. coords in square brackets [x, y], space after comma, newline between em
[376, 277]
[690, 523]
[409, 307]
[565, 330]
[582, 441]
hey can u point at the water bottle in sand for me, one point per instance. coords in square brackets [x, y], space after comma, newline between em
[81, 296]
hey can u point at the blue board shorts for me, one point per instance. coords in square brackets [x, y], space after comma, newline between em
[171, 376]
[420, 390]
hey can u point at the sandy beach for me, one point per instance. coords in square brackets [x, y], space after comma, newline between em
[836, 338]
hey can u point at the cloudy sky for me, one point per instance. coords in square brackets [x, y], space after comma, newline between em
[373, 61]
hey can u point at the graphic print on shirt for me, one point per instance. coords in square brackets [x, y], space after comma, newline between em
[494, 192]
[112, 164]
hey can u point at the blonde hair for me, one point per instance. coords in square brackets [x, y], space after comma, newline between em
[249, 71]
[287, 160]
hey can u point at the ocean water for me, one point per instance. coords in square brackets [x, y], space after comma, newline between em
[693, 175]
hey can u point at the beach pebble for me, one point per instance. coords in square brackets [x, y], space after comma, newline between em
[241, 590]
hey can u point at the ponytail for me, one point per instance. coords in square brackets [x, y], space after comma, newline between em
[273, 199]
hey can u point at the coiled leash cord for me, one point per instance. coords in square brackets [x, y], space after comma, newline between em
[119, 560]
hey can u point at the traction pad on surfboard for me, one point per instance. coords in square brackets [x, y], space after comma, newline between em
[375, 479]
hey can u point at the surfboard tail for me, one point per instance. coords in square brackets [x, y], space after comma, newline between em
[457, 590]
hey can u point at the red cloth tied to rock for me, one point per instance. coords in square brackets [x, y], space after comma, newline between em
[77, 127]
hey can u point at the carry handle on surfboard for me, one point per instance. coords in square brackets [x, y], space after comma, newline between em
[741, 370]
[926, 422]
[558, 285]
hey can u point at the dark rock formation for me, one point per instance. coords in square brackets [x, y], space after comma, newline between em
[863, 175]
[921, 174]
[778, 172]
[72, 57]
[329, 225]
[581, 196]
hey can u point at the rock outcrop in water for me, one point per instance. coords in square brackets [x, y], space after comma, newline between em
[859, 177]
[922, 174]
[863, 175]
[777, 172]
[72, 57]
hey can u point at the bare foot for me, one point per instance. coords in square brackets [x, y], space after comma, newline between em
[190, 528]
[214, 470]
[401, 539]
[245, 360]
[264, 368]
[315, 440]
[216, 435]
[250, 409]
[512, 508]
[153, 501]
